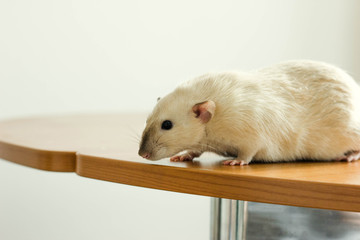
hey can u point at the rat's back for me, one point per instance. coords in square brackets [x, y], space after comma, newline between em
[326, 107]
[295, 109]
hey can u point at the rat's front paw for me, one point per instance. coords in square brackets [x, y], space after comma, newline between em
[233, 162]
[349, 156]
[182, 158]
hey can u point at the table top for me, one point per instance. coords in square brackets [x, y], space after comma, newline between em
[104, 146]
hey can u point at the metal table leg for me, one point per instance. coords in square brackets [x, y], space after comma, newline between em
[228, 219]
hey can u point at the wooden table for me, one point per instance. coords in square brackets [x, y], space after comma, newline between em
[105, 147]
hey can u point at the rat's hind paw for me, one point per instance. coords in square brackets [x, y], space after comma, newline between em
[233, 162]
[349, 156]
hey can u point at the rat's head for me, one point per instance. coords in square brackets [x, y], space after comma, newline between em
[176, 124]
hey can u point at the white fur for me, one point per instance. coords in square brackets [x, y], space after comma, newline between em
[292, 110]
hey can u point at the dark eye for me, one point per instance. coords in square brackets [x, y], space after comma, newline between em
[166, 125]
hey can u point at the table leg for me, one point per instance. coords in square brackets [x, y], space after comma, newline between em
[228, 219]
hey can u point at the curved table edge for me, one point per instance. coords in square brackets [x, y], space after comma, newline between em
[197, 181]
[48, 160]
[232, 186]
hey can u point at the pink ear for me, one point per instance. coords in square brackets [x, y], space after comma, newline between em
[204, 110]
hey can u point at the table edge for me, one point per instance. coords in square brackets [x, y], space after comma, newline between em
[231, 186]
[48, 160]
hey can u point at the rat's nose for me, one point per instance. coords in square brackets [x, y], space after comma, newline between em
[144, 154]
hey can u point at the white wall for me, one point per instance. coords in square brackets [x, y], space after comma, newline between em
[81, 56]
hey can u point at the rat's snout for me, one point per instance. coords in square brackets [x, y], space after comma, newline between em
[144, 148]
[144, 154]
[148, 153]
[149, 149]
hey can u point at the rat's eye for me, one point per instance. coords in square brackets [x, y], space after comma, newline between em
[166, 125]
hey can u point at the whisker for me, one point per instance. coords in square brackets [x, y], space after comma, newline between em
[134, 136]
[135, 141]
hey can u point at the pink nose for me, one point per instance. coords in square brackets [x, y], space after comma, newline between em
[146, 155]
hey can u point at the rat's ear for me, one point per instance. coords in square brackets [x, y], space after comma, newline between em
[204, 110]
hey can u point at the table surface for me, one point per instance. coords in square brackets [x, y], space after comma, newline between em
[104, 146]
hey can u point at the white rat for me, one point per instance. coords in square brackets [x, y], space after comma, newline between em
[290, 111]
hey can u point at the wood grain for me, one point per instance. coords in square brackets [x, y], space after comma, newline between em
[101, 147]
[57, 161]
[302, 185]
[50, 143]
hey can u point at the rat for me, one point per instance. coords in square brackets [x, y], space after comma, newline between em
[290, 111]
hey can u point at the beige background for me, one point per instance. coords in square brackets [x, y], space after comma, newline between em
[108, 56]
